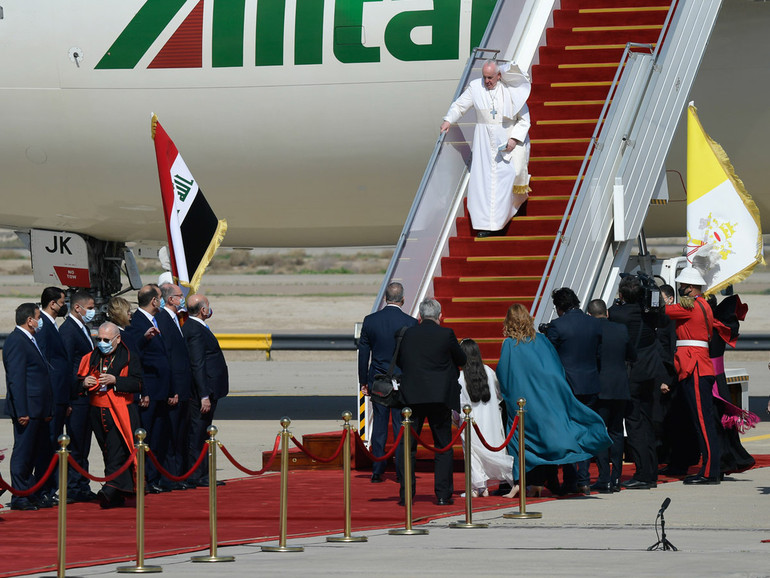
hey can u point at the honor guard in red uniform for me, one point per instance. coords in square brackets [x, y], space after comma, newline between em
[694, 325]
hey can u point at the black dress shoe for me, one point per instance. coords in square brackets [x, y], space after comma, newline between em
[482, 234]
[107, 502]
[633, 484]
[615, 486]
[377, 479]
[23, 504]
[43, 502]
[445, 501]
[698, 480]
[602, 487]
[155, 489]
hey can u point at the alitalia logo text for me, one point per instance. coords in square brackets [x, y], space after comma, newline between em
[184, 48]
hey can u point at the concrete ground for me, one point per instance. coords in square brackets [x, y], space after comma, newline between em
[717, 529]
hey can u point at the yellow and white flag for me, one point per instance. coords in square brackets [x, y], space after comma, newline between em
[720, 213]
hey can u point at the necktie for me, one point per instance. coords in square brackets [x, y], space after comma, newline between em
[34, 342]
[88, 336]
[155, 323]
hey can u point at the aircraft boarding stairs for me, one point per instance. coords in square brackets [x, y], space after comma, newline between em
[609, 87]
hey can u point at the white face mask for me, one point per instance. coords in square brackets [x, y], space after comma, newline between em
[39, 325]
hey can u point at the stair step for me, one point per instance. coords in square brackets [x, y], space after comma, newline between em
[574, 73]
[612, 16]
[466, 247]
[533, 224]
[566, 110]
[483, 287]
[603, 35]
[610, 4]
[530, 265]
[462, 308]
[545, 92]
[561, 55]
[560, 146]
[322, 445]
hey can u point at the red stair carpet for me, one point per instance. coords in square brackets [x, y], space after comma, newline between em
[482, 277]
[177, 522]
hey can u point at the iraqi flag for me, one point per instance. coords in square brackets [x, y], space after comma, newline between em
[724, 233]
[194, 233]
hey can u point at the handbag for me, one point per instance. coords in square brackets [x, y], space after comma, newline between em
[382, 390]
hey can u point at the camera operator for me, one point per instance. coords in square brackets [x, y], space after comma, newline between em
[638, 312]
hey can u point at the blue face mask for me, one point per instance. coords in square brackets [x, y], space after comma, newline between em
[39, 325]
[105, 348]
[162, 303]
[89, 315]
[181, 302]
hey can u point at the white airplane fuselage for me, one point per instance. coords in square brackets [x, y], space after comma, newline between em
[305, 122]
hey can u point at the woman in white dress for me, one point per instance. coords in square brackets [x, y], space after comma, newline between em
[481, 390]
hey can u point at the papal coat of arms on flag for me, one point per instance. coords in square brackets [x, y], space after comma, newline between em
[724, 233]
[194, 232]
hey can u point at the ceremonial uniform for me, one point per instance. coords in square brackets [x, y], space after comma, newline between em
[695, 372]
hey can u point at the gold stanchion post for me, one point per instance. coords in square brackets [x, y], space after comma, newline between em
[212, 557]
[346, 537]
[284, 509]
[140, 568]
[407, 530]
[522, 513]
[61, 541]
[467, 449]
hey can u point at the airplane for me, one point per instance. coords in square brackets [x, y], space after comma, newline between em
[305, 122]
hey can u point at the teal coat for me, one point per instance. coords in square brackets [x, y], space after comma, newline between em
[558, 429]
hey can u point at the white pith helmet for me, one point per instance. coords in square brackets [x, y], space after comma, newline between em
[690, 276]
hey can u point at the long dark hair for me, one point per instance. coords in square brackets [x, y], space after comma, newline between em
[476, 382]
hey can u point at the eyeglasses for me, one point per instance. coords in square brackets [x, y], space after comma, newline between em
[105, 339]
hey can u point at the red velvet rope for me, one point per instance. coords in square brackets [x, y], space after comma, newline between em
[505, 443]
[85, 474]
[435, 449]
[316, 458]
[165, 473]
[390, 453]
[254, 472]
[38, 486]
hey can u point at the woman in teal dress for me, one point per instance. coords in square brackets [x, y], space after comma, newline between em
[558, 429]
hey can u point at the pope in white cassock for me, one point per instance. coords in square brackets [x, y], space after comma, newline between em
[499, 180]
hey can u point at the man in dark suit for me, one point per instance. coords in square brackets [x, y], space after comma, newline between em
[149, 341]
[375, 352]
[577, 338]
[52, 347]
[430, 358]
[210, 379]
[647, 373]
[616, 352]
[77, 339]
[29, 402]
[173, 300]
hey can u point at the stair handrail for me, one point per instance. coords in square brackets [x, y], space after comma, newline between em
[594, 144]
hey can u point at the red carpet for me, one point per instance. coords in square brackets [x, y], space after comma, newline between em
[481, 277]
[248, 512]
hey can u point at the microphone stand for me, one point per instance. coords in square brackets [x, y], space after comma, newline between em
[663, 543]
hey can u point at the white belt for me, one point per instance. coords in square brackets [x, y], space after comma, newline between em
[691, 343]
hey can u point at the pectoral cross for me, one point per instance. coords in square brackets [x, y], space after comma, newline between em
[493, 112]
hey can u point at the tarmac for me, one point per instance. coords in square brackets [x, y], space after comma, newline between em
[718, 531]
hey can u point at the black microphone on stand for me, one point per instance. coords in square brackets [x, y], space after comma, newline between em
[662, 543]
[663, 506]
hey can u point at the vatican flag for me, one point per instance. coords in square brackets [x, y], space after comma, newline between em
[722, 220]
